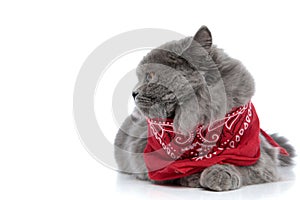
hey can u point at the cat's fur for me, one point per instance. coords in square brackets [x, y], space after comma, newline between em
[193, 81]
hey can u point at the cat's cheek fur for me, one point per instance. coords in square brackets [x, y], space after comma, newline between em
[185, 117]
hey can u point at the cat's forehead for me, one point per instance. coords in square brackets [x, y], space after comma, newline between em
[163, 56]
[157, 68]
[183, 55]
[162, 60]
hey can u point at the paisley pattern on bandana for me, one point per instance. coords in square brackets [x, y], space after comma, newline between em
[233, 140]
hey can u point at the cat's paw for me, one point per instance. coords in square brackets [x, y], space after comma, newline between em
[190, 181]
[220, 178]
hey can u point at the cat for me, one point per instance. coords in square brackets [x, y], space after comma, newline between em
[192, 82]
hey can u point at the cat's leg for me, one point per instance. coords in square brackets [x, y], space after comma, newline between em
[229, 177]
[221, 178]
[190, 181]
[266, 168]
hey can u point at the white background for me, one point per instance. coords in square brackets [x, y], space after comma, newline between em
[43, 45]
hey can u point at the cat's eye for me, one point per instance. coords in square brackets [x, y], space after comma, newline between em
[149, 76]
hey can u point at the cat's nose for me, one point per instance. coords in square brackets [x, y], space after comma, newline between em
[134, 94]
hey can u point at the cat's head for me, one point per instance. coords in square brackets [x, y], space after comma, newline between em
[174, 81]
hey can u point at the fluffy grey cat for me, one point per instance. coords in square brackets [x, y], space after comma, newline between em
[192, 81]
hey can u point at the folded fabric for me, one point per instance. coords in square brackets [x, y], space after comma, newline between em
[231, 140]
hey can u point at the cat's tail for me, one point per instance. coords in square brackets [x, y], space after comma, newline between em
[283, 142]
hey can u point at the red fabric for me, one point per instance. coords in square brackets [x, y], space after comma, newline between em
[232, 140]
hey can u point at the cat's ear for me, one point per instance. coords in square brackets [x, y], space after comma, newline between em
[203, 37]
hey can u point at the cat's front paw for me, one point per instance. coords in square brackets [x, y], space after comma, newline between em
[190, 181]
[220, 178]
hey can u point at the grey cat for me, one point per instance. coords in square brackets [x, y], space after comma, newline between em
[192, 81]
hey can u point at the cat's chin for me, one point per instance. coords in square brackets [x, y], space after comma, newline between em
[159, 114]
[171, 117]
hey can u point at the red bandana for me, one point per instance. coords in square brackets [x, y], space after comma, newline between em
[232, 140]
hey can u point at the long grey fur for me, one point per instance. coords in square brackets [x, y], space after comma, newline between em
[194, 82]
